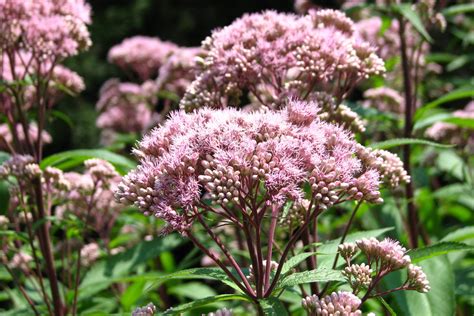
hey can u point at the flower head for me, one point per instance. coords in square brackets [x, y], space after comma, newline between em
[142, 54]
[231, 155]
[280, 55]
[337, 303]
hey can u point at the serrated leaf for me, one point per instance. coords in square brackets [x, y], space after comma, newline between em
[294, 261]
[177, 310]
[317, 275]
[406, 141]
[458, 235]
[272, 306]
[73, 158]
[413, 17]
[438, 249]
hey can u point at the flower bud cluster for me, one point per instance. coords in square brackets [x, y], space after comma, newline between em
[388, 165]
[337, 303]
[296, 54]
[358, 275]
[91, 194]
[89, 254]
[391, 169]
[273, 267]
[417, 279]
[222, 182]
[148, 310]
[383, 257]
[21, 261]
[296, 213]
[384, 99]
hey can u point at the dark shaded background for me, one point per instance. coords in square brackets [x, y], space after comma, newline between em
[185, 22]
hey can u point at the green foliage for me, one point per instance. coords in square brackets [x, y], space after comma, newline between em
[69, 159]
[406, 141]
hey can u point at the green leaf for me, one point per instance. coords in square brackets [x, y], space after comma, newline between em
[294, 261]
[412, 16]
[73, 158]
[272, 306]
[192, 290]
[406, 141]
[461, 121]
[106, 272]
[438, 249]
[177, 310]
[317, 275]
[462, 234]
[63, 117]
[459, 9]
[4, 156]
[450, 162]
[428, 121]
[463, 93]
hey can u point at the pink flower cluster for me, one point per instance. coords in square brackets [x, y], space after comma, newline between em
[283, 53]
[125, 107]
[61, 80]
[228, 154]
[383, 257]
[452, 133]
[7, 142]
[142, 54]
[337, 303]
[90, 196]
[384, 99]
[49, 29]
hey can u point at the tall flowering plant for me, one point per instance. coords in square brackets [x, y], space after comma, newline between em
[35, 38]
[273, 168]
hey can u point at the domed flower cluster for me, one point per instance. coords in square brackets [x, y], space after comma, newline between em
[454, 134]
[125, 107]
[142, 54]
[49, 29]
[288, 55]
[337, 303]
[384, 99]
[232, 155]
[383, 257]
